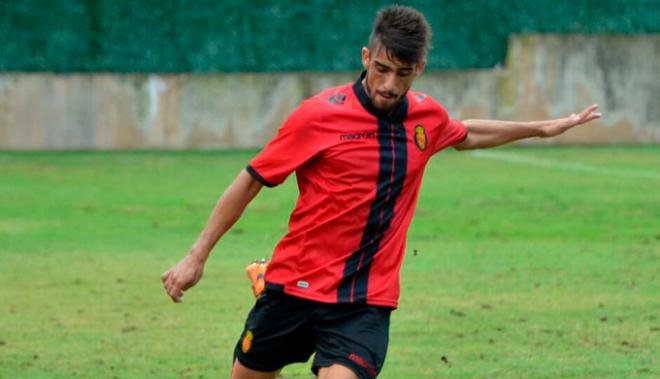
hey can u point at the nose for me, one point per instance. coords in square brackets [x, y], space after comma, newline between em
[389, 85]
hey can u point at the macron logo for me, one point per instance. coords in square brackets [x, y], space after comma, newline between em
[302, 284]
[360, 135]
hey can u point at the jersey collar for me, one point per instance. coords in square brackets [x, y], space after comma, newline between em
[397, 116]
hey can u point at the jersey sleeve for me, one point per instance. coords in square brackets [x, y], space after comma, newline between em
[296, 142]
[452, 132]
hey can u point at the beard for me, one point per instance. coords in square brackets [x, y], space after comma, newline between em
[385, 101]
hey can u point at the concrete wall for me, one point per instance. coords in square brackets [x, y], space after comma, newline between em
[545, 77]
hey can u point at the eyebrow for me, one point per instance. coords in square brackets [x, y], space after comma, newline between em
[376, 61]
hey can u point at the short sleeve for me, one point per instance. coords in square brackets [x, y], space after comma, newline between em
[296, 142]
[452, 132]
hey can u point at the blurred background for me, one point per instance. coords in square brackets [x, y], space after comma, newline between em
[176, 74]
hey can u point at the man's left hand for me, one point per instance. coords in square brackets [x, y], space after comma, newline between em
[563, 124]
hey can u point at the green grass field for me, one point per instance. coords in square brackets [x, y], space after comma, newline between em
[522, 263]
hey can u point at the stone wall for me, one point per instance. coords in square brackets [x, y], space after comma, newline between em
[545, 76]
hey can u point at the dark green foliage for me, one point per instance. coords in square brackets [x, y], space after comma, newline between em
[257, 35]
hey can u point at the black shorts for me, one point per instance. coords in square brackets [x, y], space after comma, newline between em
[283, 329]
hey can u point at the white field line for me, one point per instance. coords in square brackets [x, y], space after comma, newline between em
[567, 166]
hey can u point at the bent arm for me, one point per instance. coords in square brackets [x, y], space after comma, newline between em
[226, 212]
[491, 133]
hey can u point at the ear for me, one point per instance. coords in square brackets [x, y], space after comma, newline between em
[419, 67]
[366, 57]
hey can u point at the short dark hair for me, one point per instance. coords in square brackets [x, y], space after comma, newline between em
[403, 31]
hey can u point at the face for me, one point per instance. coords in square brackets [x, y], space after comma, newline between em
[387, 79]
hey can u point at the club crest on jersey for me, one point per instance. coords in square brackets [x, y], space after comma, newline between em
[247, 341]
[420, 137]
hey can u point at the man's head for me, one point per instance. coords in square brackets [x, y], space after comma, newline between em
[396, 55]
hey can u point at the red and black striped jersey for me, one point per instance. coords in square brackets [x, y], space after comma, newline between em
[359, 173]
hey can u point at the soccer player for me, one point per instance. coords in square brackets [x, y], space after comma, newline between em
[359, 153]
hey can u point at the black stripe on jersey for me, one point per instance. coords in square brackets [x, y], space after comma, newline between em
[400, 165]
[370, 241]
[392, 167]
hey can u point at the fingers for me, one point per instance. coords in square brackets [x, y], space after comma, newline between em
[181, 277]
[169, 281]
[164, 276]
[590, 109]
[173, 289]
[590, 113]
[176, 294]
[593, 116]
[172, 286]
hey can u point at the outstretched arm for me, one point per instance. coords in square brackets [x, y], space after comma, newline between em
[227, 211]
[491, 133]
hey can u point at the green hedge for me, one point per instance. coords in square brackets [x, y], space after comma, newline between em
[259, 35]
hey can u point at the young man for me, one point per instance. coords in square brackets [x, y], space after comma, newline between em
[359, 152]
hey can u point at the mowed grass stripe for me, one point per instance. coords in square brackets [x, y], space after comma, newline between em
[561, 165]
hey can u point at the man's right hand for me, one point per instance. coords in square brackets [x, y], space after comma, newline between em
[229, 208]
[182, 276]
